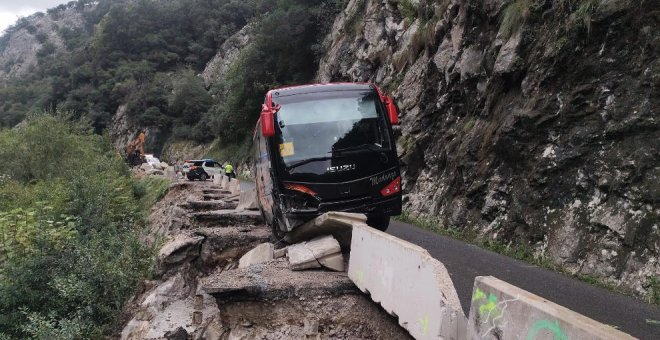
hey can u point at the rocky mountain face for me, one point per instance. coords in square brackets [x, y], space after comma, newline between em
[20, 46]
[526, 122]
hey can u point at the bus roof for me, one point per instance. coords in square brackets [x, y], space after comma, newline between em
[326, 87]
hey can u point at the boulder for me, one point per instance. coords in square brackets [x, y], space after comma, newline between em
[180, 249]
[155, 172]
[261, 253]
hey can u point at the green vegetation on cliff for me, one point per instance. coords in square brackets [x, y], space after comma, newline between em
[70, 217]
[147, 55]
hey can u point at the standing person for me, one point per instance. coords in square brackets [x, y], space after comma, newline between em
[229, 171]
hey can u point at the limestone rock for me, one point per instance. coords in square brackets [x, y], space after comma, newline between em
[180, 249]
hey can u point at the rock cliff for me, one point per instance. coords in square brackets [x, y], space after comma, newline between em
[21, 43]
[527, 122]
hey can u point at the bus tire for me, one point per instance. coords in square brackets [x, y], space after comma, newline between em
[380, 222]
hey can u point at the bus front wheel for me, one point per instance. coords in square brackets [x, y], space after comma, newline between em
[380, 222]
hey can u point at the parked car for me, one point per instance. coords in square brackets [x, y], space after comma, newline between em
[202, 169]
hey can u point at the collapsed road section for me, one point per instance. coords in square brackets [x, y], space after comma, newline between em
[220, 277]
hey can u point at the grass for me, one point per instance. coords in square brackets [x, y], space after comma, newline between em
[514, 17]
[407, 9]
[422, 38]
[654, 290]
[582, 14]
[150, 190]
[521, 252]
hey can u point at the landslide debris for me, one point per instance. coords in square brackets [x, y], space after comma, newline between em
[201, 293]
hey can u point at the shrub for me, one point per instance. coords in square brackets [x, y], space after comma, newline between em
[407, 9]
[70, 220]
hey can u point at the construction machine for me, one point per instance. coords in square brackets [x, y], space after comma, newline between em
[135, 151]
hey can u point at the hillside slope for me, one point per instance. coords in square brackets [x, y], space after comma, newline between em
[527, 122]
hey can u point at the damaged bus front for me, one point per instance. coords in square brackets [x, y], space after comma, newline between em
[327, 147]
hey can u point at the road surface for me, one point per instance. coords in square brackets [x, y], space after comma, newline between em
[464, 262]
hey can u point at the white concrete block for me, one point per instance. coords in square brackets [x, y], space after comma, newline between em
[248, 200]
[224, 183]
[234, 186]
[500, 310]
[407, 282]
[261, 253]
[321, 251]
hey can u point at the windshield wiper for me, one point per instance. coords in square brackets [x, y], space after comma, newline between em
[369, 147]
[308, 160]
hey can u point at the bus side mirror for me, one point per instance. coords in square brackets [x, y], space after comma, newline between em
[267, 121]
[392, 111]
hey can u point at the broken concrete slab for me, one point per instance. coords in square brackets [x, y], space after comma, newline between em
[209, 205]
[500, 310]
[213, 191]
[224, 245]
[223, 218]
[307, 317]
[181, 248]
[407, 282]
[248, 200]
[337, 224]
[333, 262]
[261, 253]
[321, 251]
[277, 253]
[213, 197]
[274, 280]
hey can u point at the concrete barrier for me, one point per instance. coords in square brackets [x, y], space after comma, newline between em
[335, 223]
[234, 186]
[248, 200]
[407, 282]
[217, 179]
[224, 183]
[500, 310]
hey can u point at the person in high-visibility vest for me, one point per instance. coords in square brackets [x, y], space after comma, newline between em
[229, 171]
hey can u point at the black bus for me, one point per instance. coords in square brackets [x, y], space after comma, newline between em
[327, 147]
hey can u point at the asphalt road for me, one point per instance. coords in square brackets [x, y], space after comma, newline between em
[464, 262]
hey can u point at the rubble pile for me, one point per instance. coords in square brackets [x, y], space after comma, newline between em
[222, 276]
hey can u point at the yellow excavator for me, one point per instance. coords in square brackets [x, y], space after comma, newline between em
[135, 151]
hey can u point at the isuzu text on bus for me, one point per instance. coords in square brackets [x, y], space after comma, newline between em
[327, 147]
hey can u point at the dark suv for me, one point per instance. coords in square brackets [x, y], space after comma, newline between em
[203, 169]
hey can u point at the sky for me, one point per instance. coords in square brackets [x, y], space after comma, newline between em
[11, 10]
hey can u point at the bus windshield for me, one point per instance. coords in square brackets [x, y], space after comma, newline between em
[316, 125]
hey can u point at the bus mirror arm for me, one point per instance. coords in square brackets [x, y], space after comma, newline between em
[392, 111]
[267, 121]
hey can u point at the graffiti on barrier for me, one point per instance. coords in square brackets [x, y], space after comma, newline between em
[491, 311]
[424, 323]
[546, 326]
